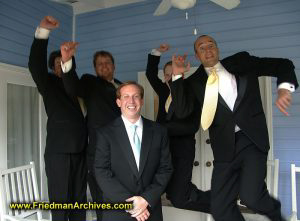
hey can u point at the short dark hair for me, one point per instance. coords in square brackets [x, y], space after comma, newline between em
[201, 36]
[103, 54]
[167, 64]
[118, 92]
[52, 56]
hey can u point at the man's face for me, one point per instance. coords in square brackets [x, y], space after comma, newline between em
[168, 73]
[57, 67]
[130, 102]
[104, 67]
[207, 51]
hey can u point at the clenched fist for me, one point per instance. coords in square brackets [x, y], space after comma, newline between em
[68, 50]
[49, 22]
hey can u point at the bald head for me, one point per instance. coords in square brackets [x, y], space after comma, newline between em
[206, 50]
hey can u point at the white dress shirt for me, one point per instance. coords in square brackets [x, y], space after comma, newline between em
[41, 33]
[139, 131]
[228, 86]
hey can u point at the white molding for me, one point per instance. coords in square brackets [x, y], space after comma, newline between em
[14, 68]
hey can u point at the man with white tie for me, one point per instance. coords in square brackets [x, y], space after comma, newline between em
[132, 161]
[228, 92]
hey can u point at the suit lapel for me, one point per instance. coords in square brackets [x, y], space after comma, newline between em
[234, 67]
[146, 144]
[242, 85]
[222, 101]
[125, 145]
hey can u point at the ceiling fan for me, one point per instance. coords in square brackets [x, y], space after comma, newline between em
[165, 5]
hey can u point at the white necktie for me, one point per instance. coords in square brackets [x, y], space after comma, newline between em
[136, 139]
[210, 99]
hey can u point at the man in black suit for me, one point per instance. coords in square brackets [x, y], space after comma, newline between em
[180, 191]
[132, 161]
[99, 95]
[66, 129]
[238, 133]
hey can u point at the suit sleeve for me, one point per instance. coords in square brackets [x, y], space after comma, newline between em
[186, 126]
[183, 98]
[109, 184]
[73, 86]
[71, 81]
[163, 174]
[282, 69]
[38, 64]
[152, 74]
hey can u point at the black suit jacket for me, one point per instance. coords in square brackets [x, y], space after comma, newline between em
[99, 97]
[66, 128]
[248, 110]
[187, 126]
[116, 171]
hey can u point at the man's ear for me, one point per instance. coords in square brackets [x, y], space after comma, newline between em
[118, 102]
[196, 56]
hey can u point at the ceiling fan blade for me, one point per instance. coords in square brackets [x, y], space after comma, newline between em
[163, 8]
[228, 4]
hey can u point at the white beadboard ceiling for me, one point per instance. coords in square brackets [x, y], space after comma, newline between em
[83, 6]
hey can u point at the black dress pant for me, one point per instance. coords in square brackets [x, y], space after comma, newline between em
[67, 183]
[181, 191]
[243, 177]
[96, 192]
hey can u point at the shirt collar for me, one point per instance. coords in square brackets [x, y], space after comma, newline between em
[217, 66]
[138, 123]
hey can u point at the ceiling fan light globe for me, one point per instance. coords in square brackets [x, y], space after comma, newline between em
[183, 4]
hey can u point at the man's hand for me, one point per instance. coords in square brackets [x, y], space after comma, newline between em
[284, 100]
[143, 216]
[49, 22]
[163, 48]
[67, 50]
[179, 64]
[139, 205]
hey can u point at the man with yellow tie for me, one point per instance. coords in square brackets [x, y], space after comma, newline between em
[180, 190]
[228, 92]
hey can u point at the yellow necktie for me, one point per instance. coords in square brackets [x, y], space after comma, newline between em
[168, 102]
[210, 99]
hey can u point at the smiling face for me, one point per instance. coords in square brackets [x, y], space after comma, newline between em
[57, 67]
[207, 51]
[104, 67]
[130, 101]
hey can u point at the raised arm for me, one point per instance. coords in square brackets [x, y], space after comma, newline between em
[152, 69]
[183, 97]
[281, 68]
[38, 53]
[69, 76]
